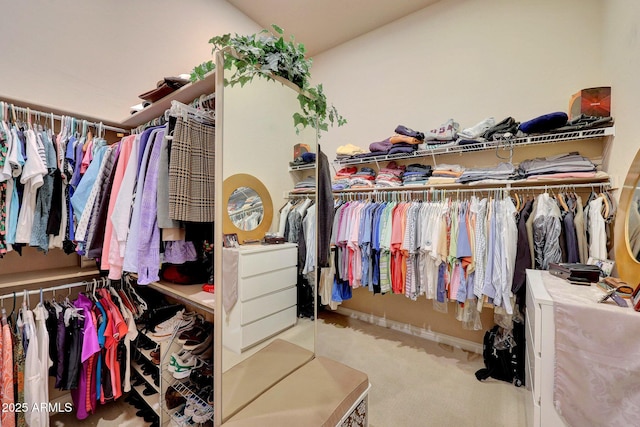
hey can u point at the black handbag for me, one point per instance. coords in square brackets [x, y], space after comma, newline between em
[576, 272]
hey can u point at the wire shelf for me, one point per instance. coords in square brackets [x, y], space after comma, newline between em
[489, 145]
[194, 400]
[308, 166]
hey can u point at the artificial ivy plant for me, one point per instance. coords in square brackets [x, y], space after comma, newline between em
[265, 55]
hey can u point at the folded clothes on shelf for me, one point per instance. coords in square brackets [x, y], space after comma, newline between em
[502, 171]
[544, 123]
[563, 163]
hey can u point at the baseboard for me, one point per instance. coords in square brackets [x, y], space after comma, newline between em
[412, 330]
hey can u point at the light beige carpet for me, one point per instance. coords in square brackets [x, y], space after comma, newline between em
[118, 413]
[416, 382]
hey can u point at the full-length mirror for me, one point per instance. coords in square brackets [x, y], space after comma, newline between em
[627, 228]
[264, 334]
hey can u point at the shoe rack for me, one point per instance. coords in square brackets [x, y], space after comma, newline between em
[145, 379]
[183, 402]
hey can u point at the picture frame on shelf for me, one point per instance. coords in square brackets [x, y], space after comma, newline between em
[230, 240]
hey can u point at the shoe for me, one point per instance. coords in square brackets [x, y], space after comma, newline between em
[138, 381]
[164, 330]
[201, 377]
[182, 369]
[189, 332]
[197, 336]
[155, 356]
[204, 349]
[174, 359]
[149, 391]
[173, 398]
[478, 129]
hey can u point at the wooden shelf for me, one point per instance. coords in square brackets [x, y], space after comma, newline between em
[50, 277]
[185, 94]
[192, 295]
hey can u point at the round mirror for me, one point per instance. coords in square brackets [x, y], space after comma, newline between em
[633, 225]
[627, 228]
[248, 210]
[245, 208]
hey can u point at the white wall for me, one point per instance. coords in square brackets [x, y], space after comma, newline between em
[259, 136]
[462, 59]
[56, 54]
[621, 62]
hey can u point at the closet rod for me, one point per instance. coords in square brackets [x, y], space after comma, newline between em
[52, 288]
[470, 189]
[59, 118]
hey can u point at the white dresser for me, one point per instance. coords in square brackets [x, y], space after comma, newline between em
[267, 295]
[540, 355]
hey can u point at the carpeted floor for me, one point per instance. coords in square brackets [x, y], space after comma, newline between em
[416, 382]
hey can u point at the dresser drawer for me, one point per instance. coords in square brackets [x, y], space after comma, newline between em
[259, 308]
[273, 281]
[259, 262]
[529, 343]
[259, 330]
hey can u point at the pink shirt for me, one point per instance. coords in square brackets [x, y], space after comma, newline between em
[125, 152]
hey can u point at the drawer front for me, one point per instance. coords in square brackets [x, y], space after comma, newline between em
[255, 263]
[257, 331]
[273, 281]
[531, 312]
[258, 308]
[529, 340]
[528, 373]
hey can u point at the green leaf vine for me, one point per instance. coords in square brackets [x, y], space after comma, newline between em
[266, 55]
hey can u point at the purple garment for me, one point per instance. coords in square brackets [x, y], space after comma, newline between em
[380, 146]
[149, 232]
[179, 252]
[144, 139]
[75, 178]
[90, 346]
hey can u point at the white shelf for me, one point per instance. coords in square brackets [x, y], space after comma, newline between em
[152, 401]
[309, 166]
[518, 142]
[148, 378]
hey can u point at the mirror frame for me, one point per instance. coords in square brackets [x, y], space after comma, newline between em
[245, 180]
[627, 266]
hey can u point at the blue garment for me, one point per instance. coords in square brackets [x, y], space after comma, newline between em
[463, 245]
[101, 341]
[488, 288]
[80, 196]
[364, 241]
[375, 246]
[441, 292]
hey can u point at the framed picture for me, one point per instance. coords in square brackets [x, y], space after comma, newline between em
[606, 265]
[230, 240]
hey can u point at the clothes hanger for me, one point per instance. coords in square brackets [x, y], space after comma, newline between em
[605, 205]
[562, 202]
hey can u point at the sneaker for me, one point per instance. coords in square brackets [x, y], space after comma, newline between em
[182, 368]
[178, 358]
[446, 132]
[204, 350]
[478, 129]
[196, 339]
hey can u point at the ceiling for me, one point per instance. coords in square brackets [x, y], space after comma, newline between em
[323, 24]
